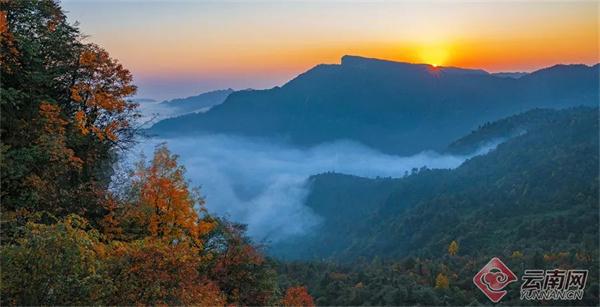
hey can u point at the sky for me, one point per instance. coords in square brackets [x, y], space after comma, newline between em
[182, 48]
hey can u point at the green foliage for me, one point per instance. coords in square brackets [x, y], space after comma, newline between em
[240, 270]
[412, 280]
[66, 238]
[536, 192]
[63, 113]
[56, 264]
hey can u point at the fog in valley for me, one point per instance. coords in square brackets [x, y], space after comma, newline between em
[264, 184]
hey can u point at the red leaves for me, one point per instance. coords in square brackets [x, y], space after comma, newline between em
[297, 296]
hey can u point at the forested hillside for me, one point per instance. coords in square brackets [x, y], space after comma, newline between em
[76, 229]
[420, 239]
[67, 239]
[536, 192]
[394, 107]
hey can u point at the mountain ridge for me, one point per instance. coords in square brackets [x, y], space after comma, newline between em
[395, 107]
[551, 169]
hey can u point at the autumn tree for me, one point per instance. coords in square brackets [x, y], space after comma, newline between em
[297, 296]
[172, 252]
[239, 269]
[441, 281]
[152, 272]
[453, 248]
[64, 113]
[64, 120]
[159, 204]
[54, 264]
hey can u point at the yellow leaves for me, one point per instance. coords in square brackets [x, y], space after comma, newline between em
[54, 256]
[441, 281]
[453, 248]
[517, 255]
[560, 256]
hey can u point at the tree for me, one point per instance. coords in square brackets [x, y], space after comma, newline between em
[63, 106]
[169, 241]
[56, 264]
[239, 269]
[66, 238]
[297, 296]
[453, 248]
[154, 272]
[161, 205]
[441, 281]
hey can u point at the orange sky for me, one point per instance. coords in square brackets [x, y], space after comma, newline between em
[179, 48]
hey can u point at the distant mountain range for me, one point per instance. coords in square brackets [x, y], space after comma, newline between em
[537, 192]
[198, 102]
[514, 75]
[143, 100]
[395, 107]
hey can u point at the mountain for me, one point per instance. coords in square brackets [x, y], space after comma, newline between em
[198, 102]
[536, 192]
[514, 75]
[394, 107]
[143, 100]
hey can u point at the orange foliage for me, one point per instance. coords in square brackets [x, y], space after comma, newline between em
[110, 223]
[297, 296]
[100, 94]
[3, 22]
[53, 139]
[152, 272]
[9, 52]
[164, 204]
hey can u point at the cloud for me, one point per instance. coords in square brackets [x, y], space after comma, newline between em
[152, 112]
[264, 184]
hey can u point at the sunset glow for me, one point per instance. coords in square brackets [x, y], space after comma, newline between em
[181, 48]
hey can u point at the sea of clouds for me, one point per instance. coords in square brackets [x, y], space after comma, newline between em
[264, 184]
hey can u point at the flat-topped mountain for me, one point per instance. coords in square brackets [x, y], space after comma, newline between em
[395, 107]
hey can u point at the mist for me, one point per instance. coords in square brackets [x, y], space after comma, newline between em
[264, 184]
[152, 112]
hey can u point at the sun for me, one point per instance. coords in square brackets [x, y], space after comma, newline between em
[434, 56]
